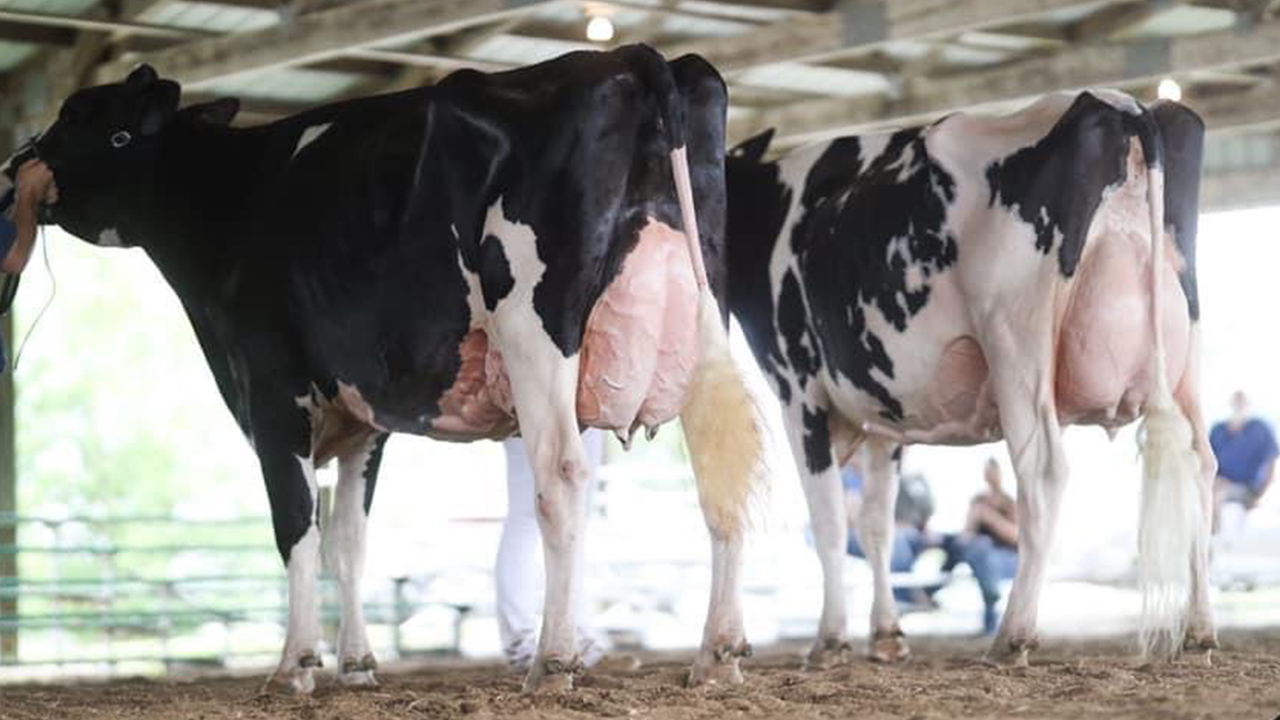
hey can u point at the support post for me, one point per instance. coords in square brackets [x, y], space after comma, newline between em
[8, 505]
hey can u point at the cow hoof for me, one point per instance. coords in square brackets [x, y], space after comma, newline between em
[720, 665]
[827, 653]
[296, 681]
[1202, 645]
[358, 672]
[552, 675]
[889, 647]
[1012, 652]
[714, 673]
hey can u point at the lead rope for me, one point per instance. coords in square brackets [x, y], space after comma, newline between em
[53, 293]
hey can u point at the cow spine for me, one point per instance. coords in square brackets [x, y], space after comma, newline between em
[1171, 524]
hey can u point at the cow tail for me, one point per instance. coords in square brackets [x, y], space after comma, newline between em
[1171, 524]
[721, 419]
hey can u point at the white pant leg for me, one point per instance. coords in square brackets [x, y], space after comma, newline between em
[518, 570]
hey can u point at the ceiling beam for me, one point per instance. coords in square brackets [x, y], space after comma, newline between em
[1257, 108]
[923, 99]
[38, 34]
[318, 36]
[79, 22]
[860, 25]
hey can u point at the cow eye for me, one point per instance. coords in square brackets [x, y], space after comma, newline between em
[120, 138]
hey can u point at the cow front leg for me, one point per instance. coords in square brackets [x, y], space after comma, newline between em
[876, 528]
[291, 487]
[344, 552]
[828, 517]
[1029, 420]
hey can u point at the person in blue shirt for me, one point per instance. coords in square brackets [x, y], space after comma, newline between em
[18, 207]
[1246, 450]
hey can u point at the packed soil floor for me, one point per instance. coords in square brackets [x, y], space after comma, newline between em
[945, 679]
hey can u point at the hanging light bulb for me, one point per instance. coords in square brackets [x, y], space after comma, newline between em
[600, 29]
[1169, 89]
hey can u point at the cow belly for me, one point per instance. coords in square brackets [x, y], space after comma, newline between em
[638, 352]
[640, 346]
[1104, 356]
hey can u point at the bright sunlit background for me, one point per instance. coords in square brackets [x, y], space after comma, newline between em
[119, 418]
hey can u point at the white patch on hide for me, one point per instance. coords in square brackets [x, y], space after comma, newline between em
[110, 238]
[309, 136]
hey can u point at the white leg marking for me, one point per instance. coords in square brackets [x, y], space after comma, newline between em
[344, 540]
[300, 654]
[875, 529]
[824, 495]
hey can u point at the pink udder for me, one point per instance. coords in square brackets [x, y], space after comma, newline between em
[478, 403]
[638, 352]
[641, 342]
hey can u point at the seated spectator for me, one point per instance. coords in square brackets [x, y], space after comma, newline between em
[988, 544]
[1246, 451]
[912, 510]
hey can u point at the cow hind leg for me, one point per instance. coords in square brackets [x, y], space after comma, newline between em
[344, 554]
[723, 429]
[543, 387]
[824, 494]
[876, 528]
[1200, 633]
[1029, 420]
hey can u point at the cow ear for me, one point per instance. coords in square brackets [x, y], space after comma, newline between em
[217, 112]
[159, 103]
[144, 74]
[755, 148]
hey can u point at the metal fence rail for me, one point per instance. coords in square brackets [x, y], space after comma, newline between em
[86, 603]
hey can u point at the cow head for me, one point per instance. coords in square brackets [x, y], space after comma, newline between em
[104, 150]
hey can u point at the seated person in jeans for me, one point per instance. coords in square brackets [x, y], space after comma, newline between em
[989, 543]
[911, 513]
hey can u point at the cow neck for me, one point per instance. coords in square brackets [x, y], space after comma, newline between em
[203, 188]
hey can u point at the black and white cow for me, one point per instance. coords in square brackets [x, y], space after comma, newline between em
[496, 252]
[975, 279]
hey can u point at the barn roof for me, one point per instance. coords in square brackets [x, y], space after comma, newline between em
[811, 68]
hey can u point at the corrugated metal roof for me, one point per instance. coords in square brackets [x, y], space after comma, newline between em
[298, 85]
[815, 78]
[1182, 20]
[53, 7]
[13, 53]
[518, 49]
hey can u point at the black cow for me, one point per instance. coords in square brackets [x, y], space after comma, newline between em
[497, 251]
[979, 278]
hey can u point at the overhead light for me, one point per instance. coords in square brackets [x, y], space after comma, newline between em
[1169, 89]
[600, 29]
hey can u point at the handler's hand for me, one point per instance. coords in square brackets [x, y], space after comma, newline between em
[35, 182]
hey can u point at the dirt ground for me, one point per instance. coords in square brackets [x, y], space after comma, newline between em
[945, 680]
